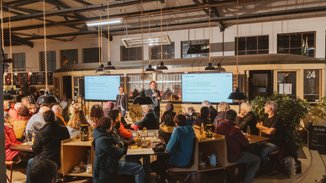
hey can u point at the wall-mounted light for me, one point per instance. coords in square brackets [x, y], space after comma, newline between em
[152, 41]
[104, 22]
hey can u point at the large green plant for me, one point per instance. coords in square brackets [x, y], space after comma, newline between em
[317, 112]
[290, 110]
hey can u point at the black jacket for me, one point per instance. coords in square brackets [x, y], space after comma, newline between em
[124, 102]
[248, 120]
[108, 152]
[47, 142]
[149, 121]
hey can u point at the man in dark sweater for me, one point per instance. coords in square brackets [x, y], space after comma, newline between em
[235, 141]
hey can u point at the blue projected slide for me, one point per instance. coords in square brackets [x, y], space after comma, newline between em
[214, 87]
[101, 87]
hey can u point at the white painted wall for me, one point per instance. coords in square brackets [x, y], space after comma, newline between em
[267, 28]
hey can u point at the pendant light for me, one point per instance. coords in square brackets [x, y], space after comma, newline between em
[210, 66]
[149, 66]
[109, 65]
[47, 98]
[237, 94]
[142, 99]
[161, 66]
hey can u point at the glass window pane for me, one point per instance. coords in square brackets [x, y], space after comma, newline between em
[311, 85]
[282, 43]
[286, 83]
[296, 41]
[130, 54]
[19, 62]
[90, 55]
[263, 42]
[68, 57]
[252, 43]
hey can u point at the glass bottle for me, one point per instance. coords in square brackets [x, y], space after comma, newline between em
[84, 132]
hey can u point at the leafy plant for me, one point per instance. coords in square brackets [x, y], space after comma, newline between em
[318, 112]
[290, 110]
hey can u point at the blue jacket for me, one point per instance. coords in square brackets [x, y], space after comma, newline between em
[108, 151]
[181, 146]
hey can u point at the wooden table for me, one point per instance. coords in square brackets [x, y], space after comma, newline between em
[253, 139]
[25, 147]
[133, 150]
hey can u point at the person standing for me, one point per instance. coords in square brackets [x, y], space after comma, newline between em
[156, 96]
[122, 101]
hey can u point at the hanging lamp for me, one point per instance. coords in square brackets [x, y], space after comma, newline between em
[142, 99]
[109, 65]
[161, 66]
[237, 94]
[209, 66]
[47, 98]
[149, 67]
[100, 68]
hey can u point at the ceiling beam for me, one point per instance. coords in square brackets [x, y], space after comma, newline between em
[20, 3]
[18, 40]
[76, 10]
[83, 2]
[53, 36]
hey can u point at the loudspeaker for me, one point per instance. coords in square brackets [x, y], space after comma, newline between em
[81, 89]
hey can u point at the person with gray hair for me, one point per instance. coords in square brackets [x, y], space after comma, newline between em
[36, 122]
[222, 108]
[273, 128]
[247, 119]
[149, 120]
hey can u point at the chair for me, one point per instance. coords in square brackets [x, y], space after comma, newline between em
[189, 170]
[228, 167]
[10, 165]
[19, 128]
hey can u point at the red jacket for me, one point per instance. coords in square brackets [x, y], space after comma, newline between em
[125, 132]
[235, 139]
[10, 140]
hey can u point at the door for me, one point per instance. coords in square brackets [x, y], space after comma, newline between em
[260, 83]
[67, 87]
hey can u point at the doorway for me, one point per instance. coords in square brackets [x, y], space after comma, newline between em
[260, 83]
[67, 87]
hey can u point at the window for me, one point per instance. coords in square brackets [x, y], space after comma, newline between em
[130, 54]
[19, 63]
[286, 83]
[167, 52]
[312, 85]
[252, 45]
[297, 43]
[137, 82]
[169, 85]
[51, 57]
[90, 55]
[195, 48]
[68, 57]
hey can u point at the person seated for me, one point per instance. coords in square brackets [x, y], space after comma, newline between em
[23, 113]
[235, 141]
[149, 120]
[10, 140]
[167, 122]
[212, 110]
[222, 108]
[43, 171]
[271, 127]
[247, 119]
[47, 143]
[13, 112]
[181, 143]
[191, 115]
[203, 117]
[73, 126]
[25, 101]
[58, 114]
[96, 114]
[116, 116]
[108, 153]
[36, 122]
[107, 107]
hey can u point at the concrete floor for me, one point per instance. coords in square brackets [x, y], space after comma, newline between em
[313, 168]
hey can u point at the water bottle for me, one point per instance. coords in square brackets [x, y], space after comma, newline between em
[212, 160]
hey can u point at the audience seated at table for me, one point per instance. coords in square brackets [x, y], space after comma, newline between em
[246, 119]
[149, 120]
[203, 117]
[271, 127]
[43, 171]
[222, 108]
[116, 116]
[47, 143]
[57, 109]
[181, 143]
[36, 122]
[10, 140]
[96, 114]
[236, 141]
[77, 119]
[167, 122]
[107, 107]
[13, 111]
[212, 110]
[191, 115]
[108, 151]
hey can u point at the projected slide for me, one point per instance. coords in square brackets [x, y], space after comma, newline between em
[214, 87]
[101, 87]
